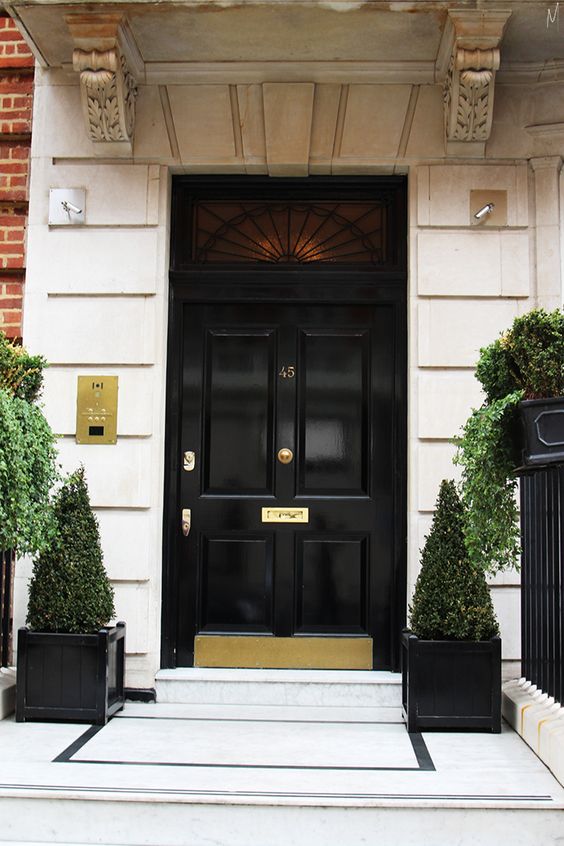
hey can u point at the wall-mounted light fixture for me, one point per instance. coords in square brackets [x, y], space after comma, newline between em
[66, 206]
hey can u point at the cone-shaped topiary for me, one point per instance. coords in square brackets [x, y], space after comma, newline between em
[452, 600]
[70, 590]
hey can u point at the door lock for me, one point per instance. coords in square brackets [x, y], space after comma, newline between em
[186, 521]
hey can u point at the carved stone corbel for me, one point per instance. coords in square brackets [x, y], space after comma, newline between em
[475, 36]
[107, 82]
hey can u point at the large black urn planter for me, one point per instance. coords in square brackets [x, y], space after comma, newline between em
[542, 432]
[70, 677]
[451, 684]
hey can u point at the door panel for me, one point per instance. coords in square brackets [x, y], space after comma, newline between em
[319, 380]
[238, 397]
[333, 412]
[236, 583]
[332, 574]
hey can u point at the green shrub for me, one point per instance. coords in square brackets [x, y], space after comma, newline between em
[535, 345]
[21, 374]
[27, 474]
[70, 590]
[489, 487]
[526, 362]
[494, 371]
[452, 600]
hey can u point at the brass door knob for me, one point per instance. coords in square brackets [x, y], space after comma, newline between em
[285, 455]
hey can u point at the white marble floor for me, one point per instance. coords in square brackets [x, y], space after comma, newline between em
[266, 755]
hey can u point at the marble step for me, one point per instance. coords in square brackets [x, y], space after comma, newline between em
[7, 692]
[249, 775]
[297, 688]
[132, 821]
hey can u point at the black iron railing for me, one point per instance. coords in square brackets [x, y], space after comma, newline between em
[6, 597]
[542, 579]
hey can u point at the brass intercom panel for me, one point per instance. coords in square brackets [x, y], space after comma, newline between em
[96, 410]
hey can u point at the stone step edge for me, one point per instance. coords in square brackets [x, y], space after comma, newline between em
[538, 719]
[7, 692]
[337, 677]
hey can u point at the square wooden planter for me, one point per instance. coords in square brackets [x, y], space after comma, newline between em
[70, 677]
[451, 684]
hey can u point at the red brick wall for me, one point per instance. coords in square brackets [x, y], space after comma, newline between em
[16, 101]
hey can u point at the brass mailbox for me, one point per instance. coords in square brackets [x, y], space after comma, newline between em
[96, 410]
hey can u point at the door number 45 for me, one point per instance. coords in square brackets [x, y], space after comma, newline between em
[287, 372]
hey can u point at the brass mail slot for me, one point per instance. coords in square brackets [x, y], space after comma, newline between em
[285, 515]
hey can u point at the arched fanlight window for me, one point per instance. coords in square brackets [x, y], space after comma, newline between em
[289, 233]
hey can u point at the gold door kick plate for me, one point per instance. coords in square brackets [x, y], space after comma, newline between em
[285, 515]
[302, 653]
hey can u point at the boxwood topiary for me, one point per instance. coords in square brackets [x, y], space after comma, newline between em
[452, 599]
[69, 589]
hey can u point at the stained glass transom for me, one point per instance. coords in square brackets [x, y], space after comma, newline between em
[289, 233]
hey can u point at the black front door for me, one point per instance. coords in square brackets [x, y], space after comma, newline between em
[318, 382]
[286, 436]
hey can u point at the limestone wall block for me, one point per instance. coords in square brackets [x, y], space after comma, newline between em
[444, 198]
[91, 330]
[127, 538]
[451, 332]
[92, 261]
[445, 400]
[132, 605]
[116, 195]
[118, 475]
[485, 263]
[152, 138]
[203, 122]
[374, 120]
[58, 124]
[426, 136]
[513, 110]
[434, 463]
[288, 112]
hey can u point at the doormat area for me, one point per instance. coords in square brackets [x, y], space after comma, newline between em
[250, 744]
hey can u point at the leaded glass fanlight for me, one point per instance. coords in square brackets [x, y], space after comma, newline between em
[252, 232]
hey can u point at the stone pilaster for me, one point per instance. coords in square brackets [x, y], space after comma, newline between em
[548, 239]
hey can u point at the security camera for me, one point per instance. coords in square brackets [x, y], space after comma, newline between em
[70, 207]
[484, 211]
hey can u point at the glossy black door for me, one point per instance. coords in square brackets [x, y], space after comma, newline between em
[321, 381]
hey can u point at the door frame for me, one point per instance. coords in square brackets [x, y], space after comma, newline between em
[321, 285]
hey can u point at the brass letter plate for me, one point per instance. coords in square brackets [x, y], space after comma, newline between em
[285, 515]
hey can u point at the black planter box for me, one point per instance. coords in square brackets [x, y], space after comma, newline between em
[70, 677]
[451, 684]
[542, 431]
